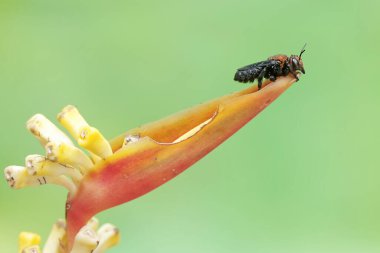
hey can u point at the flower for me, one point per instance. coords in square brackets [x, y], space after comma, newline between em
[90, 239]
[137, 161]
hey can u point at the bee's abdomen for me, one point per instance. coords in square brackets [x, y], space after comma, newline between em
[246, 75]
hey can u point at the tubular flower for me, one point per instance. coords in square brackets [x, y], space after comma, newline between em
[109, 173]
[90, 239]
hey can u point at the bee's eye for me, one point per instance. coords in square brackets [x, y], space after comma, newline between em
[295, 62]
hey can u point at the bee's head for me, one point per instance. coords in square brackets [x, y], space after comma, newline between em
[295, 62]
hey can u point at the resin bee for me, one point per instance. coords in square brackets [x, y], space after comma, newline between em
[278, 65]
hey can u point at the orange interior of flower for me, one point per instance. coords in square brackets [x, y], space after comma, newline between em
[173, 128]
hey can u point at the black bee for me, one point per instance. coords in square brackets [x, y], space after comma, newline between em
[278, 65]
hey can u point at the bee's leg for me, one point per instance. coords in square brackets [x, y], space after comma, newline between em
[260, 78]
[285, 71]
[272, 74]
[295, 76]
[260, 82]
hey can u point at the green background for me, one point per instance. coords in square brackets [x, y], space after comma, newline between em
[301, 177]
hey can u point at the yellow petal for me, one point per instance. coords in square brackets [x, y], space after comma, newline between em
[27, 239]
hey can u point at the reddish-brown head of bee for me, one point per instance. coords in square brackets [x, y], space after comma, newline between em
[295, 62]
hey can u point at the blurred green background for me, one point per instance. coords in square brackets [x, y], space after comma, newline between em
[301, 177]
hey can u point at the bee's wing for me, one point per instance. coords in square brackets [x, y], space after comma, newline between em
[260, 65]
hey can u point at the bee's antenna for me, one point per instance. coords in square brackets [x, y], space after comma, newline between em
[302, 50]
